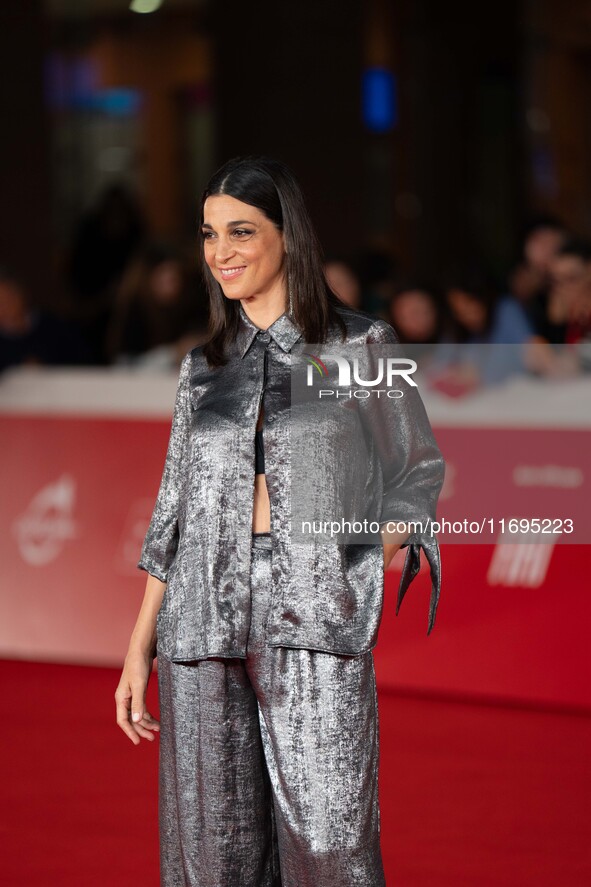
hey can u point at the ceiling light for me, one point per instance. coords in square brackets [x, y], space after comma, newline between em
[145, 5]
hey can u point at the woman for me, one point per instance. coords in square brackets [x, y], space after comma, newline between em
[268, 731]
[157, 308]
[415, 312]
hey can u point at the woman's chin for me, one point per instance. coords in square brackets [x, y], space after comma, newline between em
[233, 294]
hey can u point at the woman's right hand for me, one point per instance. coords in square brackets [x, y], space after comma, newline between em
[130, 697]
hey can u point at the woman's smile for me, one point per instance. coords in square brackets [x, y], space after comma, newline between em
[231, 273]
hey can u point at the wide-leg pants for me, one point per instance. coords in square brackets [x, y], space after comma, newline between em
[268, 770]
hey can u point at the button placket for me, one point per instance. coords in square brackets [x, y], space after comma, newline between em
[261, 374]
[247, 480]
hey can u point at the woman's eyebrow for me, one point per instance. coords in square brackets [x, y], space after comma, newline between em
[230, 224]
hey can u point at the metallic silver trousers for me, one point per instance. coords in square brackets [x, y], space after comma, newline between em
[268, 770]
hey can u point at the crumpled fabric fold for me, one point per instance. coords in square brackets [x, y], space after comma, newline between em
[411, 567]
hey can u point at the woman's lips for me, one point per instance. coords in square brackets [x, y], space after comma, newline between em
[231, 273]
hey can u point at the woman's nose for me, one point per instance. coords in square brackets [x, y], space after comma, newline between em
[225, 250]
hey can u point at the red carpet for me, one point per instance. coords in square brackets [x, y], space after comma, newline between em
[472, 795]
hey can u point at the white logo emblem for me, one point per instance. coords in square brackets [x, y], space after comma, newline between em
[47, 523]
[561, 476]
[525, 564]
[387, 367]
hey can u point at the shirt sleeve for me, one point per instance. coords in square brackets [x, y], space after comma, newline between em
[161, 539]
[413, 471]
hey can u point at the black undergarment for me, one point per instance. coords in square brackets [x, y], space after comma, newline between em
[259, 461]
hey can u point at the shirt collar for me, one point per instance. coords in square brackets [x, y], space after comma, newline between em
[283, 330]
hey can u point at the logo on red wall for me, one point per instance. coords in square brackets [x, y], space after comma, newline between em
[524, 564]
[48, 523]
[134, 530]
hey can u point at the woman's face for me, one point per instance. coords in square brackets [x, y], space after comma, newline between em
[343, 282]
[166, 282]
[243, 249]
[13, 309]
[541, 247]
[467, 310]
[570, 276]
[413, 314]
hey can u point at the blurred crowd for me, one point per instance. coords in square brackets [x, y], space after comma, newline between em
[128, 299]
[474, 329]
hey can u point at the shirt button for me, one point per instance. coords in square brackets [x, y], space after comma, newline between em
[265, 337]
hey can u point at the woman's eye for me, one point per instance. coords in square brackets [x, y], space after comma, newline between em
[242, 232]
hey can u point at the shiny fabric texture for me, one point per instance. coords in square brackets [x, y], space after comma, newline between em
[325, 597]
[269, 764]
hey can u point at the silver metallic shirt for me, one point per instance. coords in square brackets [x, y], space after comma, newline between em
[325, 596]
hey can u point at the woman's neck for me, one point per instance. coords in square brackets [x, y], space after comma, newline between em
[263, 311]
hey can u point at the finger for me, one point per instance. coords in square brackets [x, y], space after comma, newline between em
[123, 721]
[150, 722]
[153, 722]
[138, 702]
[143, 732]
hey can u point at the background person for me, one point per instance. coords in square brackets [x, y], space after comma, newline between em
[531, 279]
[416, 312]
[29, 335]
[159, 309]
[479, 344]
[343, 281]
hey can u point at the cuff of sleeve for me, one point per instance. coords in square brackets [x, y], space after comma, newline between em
[153, 570]
[412, 565]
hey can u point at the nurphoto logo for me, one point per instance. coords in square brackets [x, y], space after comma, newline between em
[387, 370]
